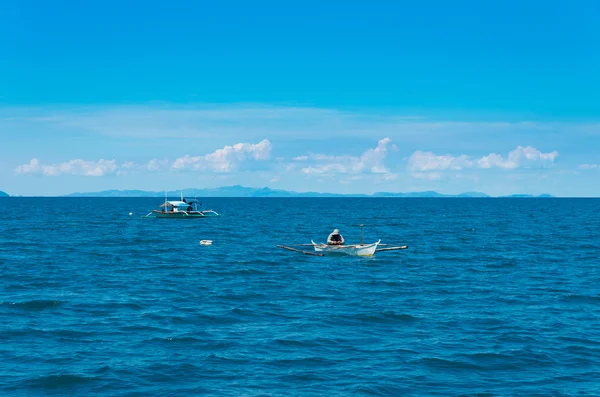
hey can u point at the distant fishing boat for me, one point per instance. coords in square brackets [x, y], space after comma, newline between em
[361, 249]
[180, 209]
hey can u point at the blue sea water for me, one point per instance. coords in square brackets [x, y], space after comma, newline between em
[494, 297]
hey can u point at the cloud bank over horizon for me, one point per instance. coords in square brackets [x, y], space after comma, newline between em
[294, 148]
[221, 160]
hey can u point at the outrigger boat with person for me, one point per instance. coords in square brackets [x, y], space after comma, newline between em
[180, 209]
[355, 249]
[336, 246]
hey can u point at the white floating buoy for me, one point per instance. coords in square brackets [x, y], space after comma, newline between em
[131, 213]
[205, 242]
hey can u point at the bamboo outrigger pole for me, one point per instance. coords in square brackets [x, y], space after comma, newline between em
[303, 252]
[402, 247]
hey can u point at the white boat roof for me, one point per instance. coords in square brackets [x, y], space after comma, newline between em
[175, 204]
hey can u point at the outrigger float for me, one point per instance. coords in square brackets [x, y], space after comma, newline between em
[361, 249]
[183, 209]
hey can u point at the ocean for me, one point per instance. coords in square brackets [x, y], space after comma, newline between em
[493, 297]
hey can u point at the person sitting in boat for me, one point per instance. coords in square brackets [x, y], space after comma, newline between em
[335, 238]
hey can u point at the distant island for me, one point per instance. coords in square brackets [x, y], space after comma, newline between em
[2, 194]
[242, 191]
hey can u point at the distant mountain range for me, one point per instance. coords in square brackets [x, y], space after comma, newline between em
[2, 194]
[241, 191]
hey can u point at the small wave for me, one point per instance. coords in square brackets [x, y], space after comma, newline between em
[387, 283]
[242, 312]
[435, 362]
[295, 342]
[141, 328]
[241, 297]
[125, 305]
[380, 390]
[489, 322]
[228, 360]
[304, 377]
[528, 358]
[575, 298]
[258, 261]
[312, 297]
[511, 301]
[450, 248]
[494, 361]
[108, 305]
[36, 285]
[180, 339]
[303, 361]
[502, 264]
[583, 351]
[164, 372]
[215, 319]
[488, 356]
[188, 342]
[580, 340]
[386, 317]
[58, 381]
[104, 370]
[581, 377]
[450, 258]
[237, 272]
[33, 305]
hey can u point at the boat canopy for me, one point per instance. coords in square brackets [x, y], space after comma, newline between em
[174, 204]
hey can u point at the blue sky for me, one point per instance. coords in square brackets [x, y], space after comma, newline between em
[497, 97]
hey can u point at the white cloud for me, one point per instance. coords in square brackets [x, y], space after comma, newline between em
[427, 161]
[221, 160]
[31, 168]
[333, 168]
[157, 165]
[527, 157]
[371, 161]
[72, 167]
[520, 157]
[226, 159]
[588, 166]
[373, 158]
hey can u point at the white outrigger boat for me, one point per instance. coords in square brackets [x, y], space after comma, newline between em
[356, 250]
[361, 249]
[181, 209]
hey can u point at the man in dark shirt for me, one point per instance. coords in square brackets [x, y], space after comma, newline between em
[335, 238]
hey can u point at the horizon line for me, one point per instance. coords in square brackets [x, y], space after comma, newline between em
[325, 196]
[295, 194]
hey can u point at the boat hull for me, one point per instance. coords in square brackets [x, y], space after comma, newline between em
[183, 214]
[352, 250]
[180, 215]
